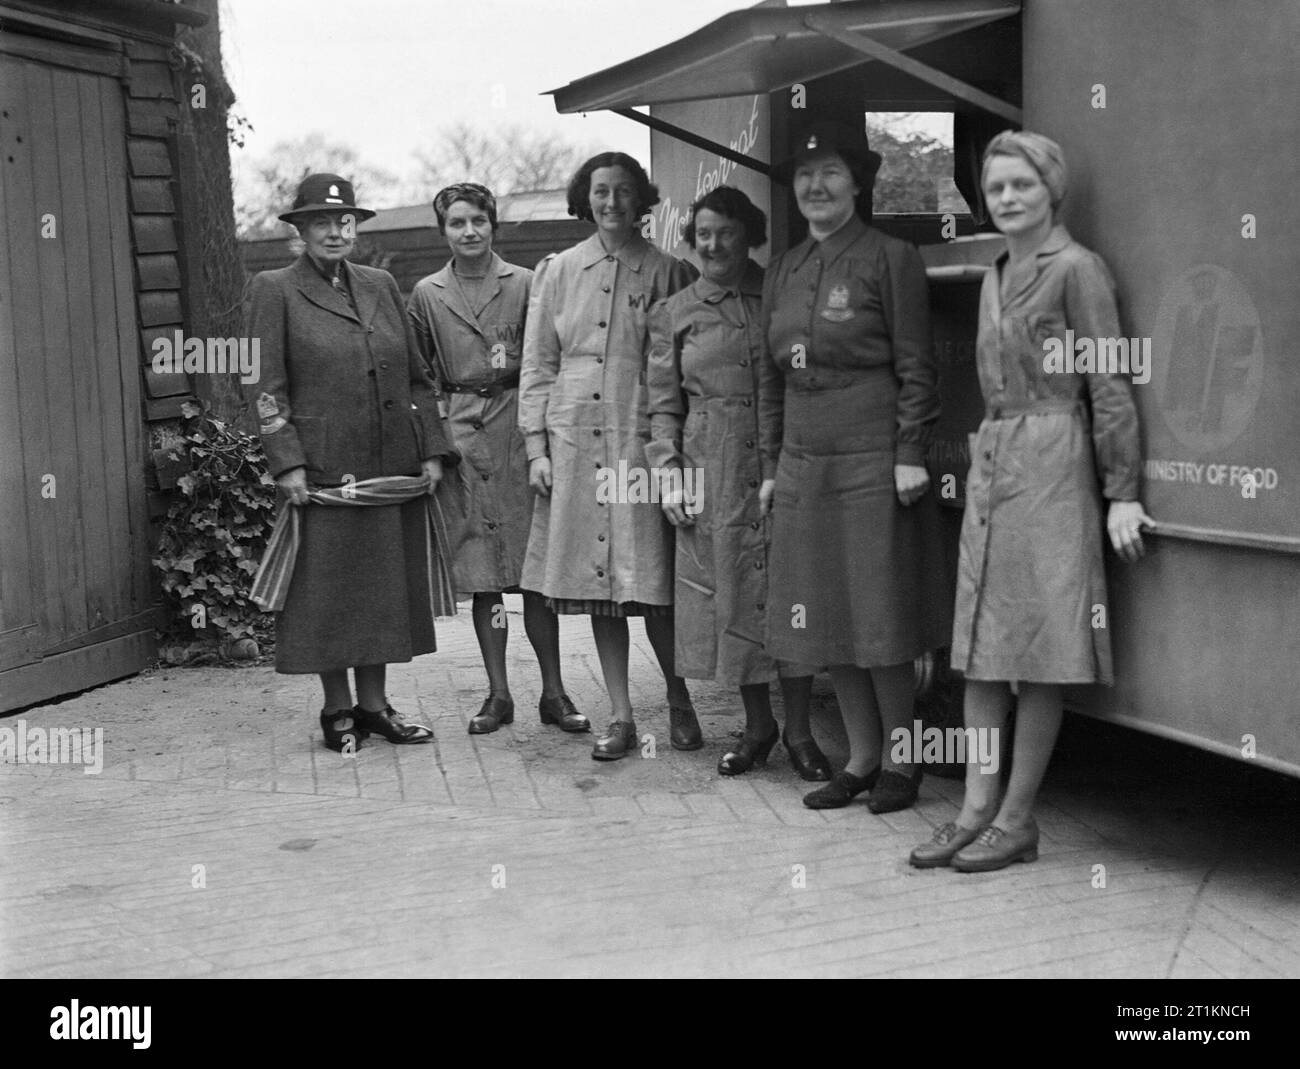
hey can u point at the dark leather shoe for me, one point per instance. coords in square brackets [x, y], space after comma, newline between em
[895, 791]
[997, 848]
[842, 789]
[748, 754]
[391, 726]
[808, 759]
[561, 711]
[339, 738]
[938, 852]
[495, 712]
[684, 728]
[618, 741]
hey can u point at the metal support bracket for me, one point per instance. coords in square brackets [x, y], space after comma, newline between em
[704, 143]
[875, 50]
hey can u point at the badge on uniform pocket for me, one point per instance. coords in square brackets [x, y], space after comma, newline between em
[837, 308]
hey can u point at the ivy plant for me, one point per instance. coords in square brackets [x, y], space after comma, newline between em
[212, 539]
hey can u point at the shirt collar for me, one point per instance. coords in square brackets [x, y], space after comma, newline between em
[631, 255]
[497, 268]
[1057, 239]
[831, 247]
[329, 275]
[751, 285]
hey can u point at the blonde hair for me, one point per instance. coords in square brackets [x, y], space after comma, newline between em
[1041, 153]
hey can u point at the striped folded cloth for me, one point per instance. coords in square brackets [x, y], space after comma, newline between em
[271, 584]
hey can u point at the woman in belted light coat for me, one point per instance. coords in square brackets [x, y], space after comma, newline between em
[705, 363]
[469, 323]
[1031, 589]
[597, 544]
[344, 397]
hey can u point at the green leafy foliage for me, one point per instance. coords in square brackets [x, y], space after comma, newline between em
[212, 539]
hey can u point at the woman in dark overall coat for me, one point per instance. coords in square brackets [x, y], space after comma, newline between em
[344, 397]
[857, 566]
[1031, 587]
[705, 362]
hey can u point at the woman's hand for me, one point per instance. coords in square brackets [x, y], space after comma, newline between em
[1124, 523]
[765, 494]
[912, 481]
[294, 484]
[673, 500]
[433, 469]
[539, 476]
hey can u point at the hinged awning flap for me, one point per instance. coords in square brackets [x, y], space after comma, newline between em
[759, 50]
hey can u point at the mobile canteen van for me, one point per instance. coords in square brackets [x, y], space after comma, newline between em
[1181, 129]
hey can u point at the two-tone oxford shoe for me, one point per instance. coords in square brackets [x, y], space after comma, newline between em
[391, 726]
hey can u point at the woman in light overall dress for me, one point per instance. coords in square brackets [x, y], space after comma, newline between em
[598, 545]
[1031, 589]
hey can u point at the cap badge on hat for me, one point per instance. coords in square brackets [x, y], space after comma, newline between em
[333, 196]
[811, 143]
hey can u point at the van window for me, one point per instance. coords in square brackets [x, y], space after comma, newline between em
[916, 176]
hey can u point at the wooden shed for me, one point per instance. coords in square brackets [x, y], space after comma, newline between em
[95, 196]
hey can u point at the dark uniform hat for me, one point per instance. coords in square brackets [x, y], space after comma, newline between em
[823, 138]
[325, 193]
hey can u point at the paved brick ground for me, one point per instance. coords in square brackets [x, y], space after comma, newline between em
[515, 854]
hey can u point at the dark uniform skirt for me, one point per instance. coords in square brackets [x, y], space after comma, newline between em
[856, 577]
[360, 590]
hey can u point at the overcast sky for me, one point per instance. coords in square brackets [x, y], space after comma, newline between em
[385, 75]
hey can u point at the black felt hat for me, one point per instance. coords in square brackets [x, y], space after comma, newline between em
[325, 193]
[827, 137]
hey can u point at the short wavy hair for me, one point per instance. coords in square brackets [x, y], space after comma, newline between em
[1041, 153]
[470, 192]
[579, 191]
[731, 202]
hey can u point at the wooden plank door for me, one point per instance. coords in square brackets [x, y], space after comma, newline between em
[74, 550]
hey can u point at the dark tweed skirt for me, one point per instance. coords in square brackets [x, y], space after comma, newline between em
[359, 594]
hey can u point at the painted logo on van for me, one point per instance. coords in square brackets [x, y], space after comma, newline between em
[1209, 358]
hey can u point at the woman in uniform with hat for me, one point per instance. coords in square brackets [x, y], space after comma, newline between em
[703, 379]
[348, 417]
[1031, 585]
[469, 323]
[857, 573]
[599, 544]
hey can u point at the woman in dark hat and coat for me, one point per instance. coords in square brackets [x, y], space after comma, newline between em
[857, 575]
[345, 402]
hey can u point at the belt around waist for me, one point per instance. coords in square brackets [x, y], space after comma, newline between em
[1011, 409]
[490, 389]
[828, 380]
